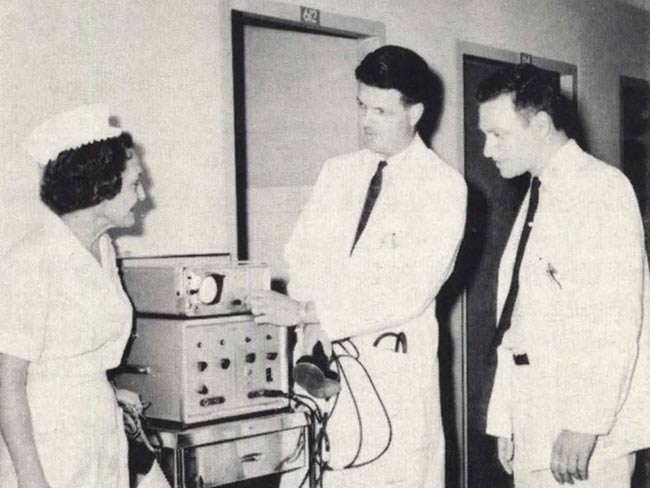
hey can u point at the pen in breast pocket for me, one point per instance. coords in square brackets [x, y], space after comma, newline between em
[552, 273]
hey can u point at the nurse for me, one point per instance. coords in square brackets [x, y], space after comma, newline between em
[64, 317]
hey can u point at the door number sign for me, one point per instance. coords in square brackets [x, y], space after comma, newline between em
[309, 16]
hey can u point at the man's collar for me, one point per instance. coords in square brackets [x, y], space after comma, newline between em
[557, 162]
[396, 159]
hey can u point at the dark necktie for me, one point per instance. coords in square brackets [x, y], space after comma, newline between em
[371, 197]
[509, 306]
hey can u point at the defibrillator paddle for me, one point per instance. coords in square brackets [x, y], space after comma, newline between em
[312, 372]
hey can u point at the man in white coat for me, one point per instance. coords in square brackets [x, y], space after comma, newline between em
[571, 397]
[367, 258]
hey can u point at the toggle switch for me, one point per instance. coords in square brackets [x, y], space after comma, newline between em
[208, 402]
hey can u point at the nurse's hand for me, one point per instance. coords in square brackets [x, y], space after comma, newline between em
[130, 399]
[270, 307]
[506, 450]
[570, 456]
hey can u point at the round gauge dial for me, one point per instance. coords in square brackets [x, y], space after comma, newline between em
[209, 290]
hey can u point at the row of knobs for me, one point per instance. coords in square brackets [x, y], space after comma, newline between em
[203, 389]
[202, 365]
[225, 362]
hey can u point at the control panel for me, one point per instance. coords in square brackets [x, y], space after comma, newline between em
[199, 369]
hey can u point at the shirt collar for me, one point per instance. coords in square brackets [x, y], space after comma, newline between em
[404, 155]
[559, 162]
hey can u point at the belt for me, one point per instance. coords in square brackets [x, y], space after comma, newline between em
[400, 340]
[520, 359]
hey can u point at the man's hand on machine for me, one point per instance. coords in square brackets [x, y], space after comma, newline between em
[270, 307]
[130, 399]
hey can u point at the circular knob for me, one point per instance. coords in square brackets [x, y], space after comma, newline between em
[250, 357]
[203, 390]
[225, 363]
[202, 365]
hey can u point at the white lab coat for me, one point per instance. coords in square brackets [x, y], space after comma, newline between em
[583, 297]
[68, 315]
[389, 283]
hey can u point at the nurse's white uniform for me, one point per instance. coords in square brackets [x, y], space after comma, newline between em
[69, 316]
[390, 283]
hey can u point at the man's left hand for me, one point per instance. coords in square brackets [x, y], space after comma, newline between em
[570, 456]
[270, 307]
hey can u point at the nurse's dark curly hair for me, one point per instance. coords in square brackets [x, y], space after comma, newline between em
[86, 176]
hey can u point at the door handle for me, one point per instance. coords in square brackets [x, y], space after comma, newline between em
[252, 457]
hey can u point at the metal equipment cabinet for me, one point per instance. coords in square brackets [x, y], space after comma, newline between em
[225, 452]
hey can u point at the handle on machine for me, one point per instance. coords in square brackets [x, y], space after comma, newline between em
[135, 369]
[252, 457]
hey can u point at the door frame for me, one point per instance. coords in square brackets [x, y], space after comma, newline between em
[569, 86]
[369, 34]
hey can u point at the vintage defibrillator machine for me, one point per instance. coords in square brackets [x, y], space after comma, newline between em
[196, 353]
[217, 381]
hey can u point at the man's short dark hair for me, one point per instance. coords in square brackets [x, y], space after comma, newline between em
[405, 71]
[533, 90]
[85, 176]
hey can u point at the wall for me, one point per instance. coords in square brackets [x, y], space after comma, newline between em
[157, 68]
[165, 70]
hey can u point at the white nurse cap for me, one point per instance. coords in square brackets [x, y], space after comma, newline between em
[69, 130]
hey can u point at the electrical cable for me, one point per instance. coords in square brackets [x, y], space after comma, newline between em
[316, 418]
[357, 411]
[314, 404]
[386, 415]
[315, 449]
[320, 418]
[356, 354]
[356, 358]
